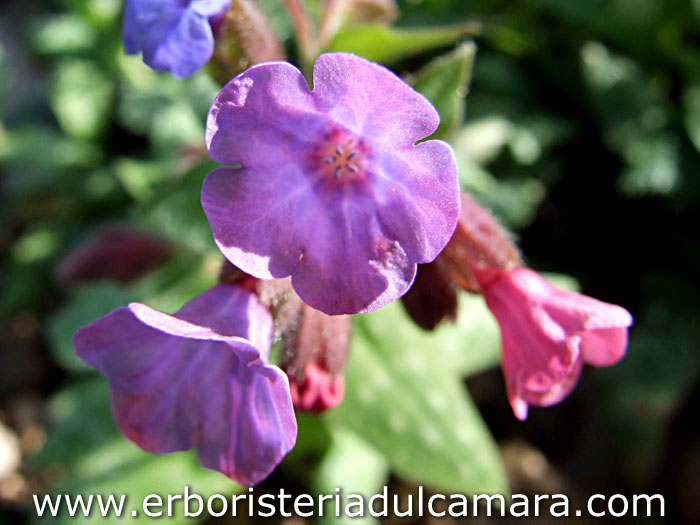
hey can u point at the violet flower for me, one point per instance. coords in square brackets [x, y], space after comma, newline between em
[173, 35]
[329, 185]
[548, 334]
[197, 378]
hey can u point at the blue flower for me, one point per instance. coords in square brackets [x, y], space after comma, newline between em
[173, 35]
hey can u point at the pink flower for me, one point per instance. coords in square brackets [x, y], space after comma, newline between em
[548, 333]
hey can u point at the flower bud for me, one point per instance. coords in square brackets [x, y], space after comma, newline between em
[245, 37]
[120, 253]
[433, 296]
[315, 348]
[478, 240]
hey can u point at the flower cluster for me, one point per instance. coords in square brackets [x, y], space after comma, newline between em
[327, 186]
[328, 201]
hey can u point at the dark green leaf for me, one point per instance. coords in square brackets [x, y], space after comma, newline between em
[388, 44]
[445, 81]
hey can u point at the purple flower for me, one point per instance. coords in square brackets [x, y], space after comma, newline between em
[173, 35]
[197, 378]
[329, 185]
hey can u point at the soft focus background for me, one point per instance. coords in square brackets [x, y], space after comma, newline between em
[581, 132]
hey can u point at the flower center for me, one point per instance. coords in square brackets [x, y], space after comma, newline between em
[340, 156]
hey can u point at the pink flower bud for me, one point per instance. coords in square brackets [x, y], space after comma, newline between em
[318, 391]
[315, 348]
[548, 334]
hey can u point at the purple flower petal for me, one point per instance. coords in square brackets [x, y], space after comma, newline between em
[340, 263]
[419, 204]
[263, 119]
[372, 101]
[173, 35]
[331, 189]
[197, 379]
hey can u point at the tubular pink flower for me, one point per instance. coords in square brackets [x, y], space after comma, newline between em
[548, 334]
[330, 186]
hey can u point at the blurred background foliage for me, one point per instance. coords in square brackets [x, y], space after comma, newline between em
[581, 131]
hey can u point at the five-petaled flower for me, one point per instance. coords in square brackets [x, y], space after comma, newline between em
[548, 334]
[173, 35]
[197, 378]
[329, 186]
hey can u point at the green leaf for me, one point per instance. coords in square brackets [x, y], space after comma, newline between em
[514, 200]
[470, 345]
[80, 420]
[177, 125]
[405, 398]
[140, 177]
[81, 98]
[691, 113]
[387, 44]
[653, 166]
[445, 81]
[61, 34]
[18, 151]
[356, 468]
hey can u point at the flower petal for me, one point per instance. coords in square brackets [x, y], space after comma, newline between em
[350, 265]
[541, 365]
[340, 259]
[210, 8]
[419, 197]
[148, 22]
[177, 384]
[262, 118]
[172, 37]
[184, 49]
[604, 347]
[347, 208]
[254, 218]
[376, 104]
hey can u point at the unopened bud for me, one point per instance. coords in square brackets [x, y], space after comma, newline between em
[318, 390]
[433, 297]
[245, 37]
[479, 240]
[315, 348]
[120, 253]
